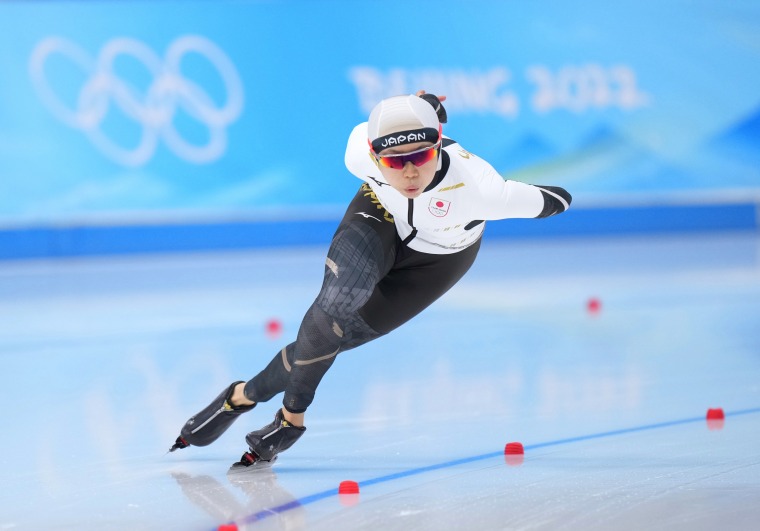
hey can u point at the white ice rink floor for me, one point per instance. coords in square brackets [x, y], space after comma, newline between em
[104, 359]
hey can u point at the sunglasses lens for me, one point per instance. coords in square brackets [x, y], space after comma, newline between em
[418, 159]
[423, 157]
[391, 162]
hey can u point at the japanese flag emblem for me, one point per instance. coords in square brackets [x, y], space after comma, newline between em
[439, 207]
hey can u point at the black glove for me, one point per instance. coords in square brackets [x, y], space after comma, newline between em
[433, 100]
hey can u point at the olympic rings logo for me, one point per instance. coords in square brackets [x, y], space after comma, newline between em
[154, 110]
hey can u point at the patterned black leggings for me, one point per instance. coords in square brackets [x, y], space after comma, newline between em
[373, 284]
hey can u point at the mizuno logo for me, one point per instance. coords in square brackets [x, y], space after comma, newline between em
[367, 216]
[379, 183]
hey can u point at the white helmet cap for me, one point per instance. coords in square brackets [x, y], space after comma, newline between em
[402, 120]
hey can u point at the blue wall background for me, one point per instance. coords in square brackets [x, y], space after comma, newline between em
[129, 126]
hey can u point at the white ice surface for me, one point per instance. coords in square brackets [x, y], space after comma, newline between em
[102, 361]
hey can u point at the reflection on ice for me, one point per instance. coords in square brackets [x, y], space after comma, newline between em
[262, 497]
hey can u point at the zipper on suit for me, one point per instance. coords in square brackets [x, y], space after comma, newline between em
[410, 221]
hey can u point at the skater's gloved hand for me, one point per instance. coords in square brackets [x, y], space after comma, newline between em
[435, 101]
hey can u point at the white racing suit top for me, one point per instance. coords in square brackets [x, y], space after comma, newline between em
[448, 215]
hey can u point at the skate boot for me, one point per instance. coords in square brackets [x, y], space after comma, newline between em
[266, 443]
[207, 426]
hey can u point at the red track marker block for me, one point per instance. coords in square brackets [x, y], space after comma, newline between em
[594, 306]
[348, 487]
[514, 448]
[514, 454]
[228, 527]
[274, 328]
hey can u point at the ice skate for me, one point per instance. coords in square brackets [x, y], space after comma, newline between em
[264, 444]
[208, 425]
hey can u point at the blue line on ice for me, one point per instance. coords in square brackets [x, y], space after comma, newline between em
[306, 500]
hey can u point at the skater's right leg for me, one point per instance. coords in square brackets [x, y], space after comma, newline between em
[207, 425]
[274, 378]
[238, 397]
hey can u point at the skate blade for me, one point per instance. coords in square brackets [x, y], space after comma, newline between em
[251, 461]
[179, 444]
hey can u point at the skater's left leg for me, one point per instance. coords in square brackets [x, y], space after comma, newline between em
[361, 253]
[415, 282]
[306, 373]
[264, 444]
